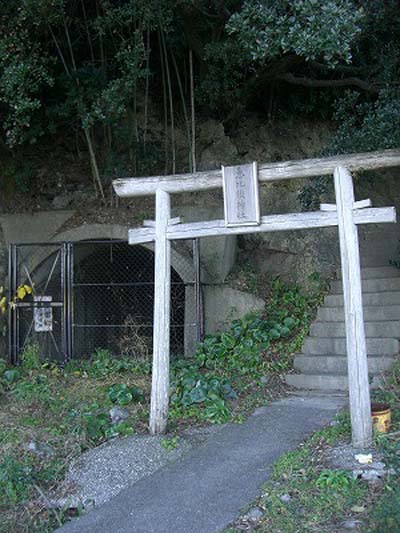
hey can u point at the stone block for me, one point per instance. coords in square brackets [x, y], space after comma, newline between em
[223, 304]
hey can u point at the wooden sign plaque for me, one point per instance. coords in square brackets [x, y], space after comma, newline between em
[241, 201]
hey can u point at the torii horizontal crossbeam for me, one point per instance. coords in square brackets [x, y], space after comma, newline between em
[287, 222]
[346, 214]
[267, 172]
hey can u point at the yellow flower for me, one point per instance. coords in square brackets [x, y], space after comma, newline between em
[28, 289]
[3, 305]
[21, 292]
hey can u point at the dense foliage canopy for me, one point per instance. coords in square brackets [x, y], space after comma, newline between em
[94, 69]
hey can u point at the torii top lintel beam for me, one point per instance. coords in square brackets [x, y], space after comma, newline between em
[267, 172]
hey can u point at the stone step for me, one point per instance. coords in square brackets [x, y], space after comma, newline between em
[323, 346]
[302, 393]
[322, 365]
[386, 244]
[328, 382]
[369, 298]
[376, 260]
[332, 364]
[377, 272]
[384, 241]
[372, 329]
[370, 285]
[371, 313]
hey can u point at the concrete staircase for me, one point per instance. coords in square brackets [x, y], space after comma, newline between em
[322, 365]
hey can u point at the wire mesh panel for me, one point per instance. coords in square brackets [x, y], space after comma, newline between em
[91, 295]
[113, 299]
[38, 300]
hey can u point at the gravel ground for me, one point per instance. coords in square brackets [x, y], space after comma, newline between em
[343, 457]
[206, 488]
[103, 472]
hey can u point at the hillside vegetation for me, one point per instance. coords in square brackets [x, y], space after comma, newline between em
[117, 87]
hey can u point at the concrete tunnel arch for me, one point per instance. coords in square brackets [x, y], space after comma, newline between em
[182, 265]
[181, 262]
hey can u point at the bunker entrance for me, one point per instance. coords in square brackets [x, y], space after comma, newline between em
[92, 295]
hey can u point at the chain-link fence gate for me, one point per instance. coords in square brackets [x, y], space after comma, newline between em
[89, 295]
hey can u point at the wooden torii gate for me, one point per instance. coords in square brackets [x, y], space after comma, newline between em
[346, 214]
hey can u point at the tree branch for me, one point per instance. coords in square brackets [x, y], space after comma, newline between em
[344, 82]
[348, 69]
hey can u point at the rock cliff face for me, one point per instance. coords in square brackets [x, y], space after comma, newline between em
[69, 212]
[292, 255]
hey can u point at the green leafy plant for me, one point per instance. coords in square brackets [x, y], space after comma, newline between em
[225, 364]
[192, 386]
[123, 395]
[170, 443]
[308, 29]
[123, 429]
[35, 389]
[334, 479]
[16, 478]
[96, 426]
[19, 475]
[102, 364]
[385, 516]
[12, 375]
[216, 411]
[30, 357]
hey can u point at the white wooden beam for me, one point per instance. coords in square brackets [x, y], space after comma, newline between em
[362, 204]
[359, 396]
[267, 172]
[174, 221]
[142, 235]
[327, 207]
[149, 223]
[291, 221]
[162, 297]
[152, 223]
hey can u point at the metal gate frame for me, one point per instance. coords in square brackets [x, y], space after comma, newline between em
[63, 303]
[66, 303]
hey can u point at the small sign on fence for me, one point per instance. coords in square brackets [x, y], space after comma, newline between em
[241, 202]
[43, 316]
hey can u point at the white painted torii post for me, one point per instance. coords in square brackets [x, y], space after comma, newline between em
[346, 214]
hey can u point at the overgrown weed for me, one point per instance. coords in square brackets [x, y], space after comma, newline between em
[67, 408]
[306, 494]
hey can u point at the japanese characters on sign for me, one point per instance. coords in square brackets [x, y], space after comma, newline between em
[241, 202]
[43, 316]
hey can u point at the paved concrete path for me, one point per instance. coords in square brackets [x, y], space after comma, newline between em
[206, 489]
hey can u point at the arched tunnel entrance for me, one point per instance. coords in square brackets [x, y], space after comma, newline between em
[98, 294]
[113, 300]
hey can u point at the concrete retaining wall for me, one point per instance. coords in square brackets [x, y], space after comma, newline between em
[217, 256]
